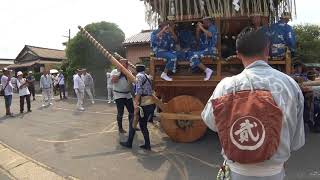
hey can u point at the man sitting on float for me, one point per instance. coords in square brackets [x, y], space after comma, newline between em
[163, 44]
[206, 35]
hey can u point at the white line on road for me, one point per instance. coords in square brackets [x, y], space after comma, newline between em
[90, 112]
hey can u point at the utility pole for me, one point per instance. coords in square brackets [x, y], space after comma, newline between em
[69, 37]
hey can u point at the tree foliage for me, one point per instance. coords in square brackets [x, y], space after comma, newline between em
[81, 54]
[308, 42]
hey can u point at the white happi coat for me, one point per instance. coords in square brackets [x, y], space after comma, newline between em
[289, 99]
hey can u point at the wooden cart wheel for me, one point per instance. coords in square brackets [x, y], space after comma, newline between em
[184, 130]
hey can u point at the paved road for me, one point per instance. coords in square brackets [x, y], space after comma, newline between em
[4, 176]
[85, 145]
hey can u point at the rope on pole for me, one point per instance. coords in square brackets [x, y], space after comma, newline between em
[106, 54]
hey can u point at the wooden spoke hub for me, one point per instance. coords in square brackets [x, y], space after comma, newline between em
[176, 127]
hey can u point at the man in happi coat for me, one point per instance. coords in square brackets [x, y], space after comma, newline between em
[163, 44]
[144, 107]
[283, 37]
[206, 35]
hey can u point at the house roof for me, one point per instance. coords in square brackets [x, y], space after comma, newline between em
[6, 61]
[142, 38]
[28, 64]
[45, 53]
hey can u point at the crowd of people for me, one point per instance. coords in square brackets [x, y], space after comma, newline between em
[186, 41]
[311, 94]
[50, 83]
[25, 87]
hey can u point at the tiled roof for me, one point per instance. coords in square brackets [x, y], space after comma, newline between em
[141, 38]
[6, 61]
[48, 53]
[28, 64]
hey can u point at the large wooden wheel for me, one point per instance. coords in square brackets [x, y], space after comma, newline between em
[176, 126]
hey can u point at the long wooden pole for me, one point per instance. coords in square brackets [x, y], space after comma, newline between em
[113, 60]
[107, 55]
[120, 57]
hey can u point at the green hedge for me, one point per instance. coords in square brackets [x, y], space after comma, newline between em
[37, 76]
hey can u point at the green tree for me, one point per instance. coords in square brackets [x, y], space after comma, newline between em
[81, 54]
[308, 43]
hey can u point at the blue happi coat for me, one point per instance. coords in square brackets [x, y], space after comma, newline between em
[163, 47]
[282, 36]
[209, 43]
[207, 46]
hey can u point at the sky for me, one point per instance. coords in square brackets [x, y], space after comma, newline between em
[44, 23]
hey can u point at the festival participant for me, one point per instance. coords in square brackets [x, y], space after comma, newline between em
[54, 84]
[145, 109]
[24, 92]
[79, 88]
[109, 88]
[7, 87]
[122, 94]
[30, 79]
[61, 84]
[13, 80]
[298, 73]
[300, 76]
[261, 138]
[46, 88]
[258, 22]
[163, 44]
[283, 37]
[88, 81]
[206, 35]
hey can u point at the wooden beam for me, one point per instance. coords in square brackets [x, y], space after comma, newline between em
[219, 68]
[152, 67]
[218, 25]
[311, 83]
[278, 62]
[288, 62]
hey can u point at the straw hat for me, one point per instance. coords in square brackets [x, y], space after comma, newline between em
[19, 73]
